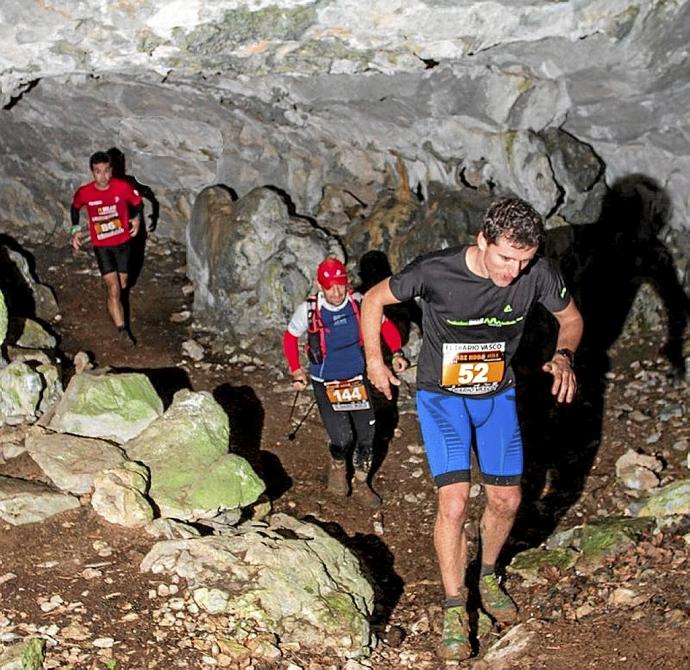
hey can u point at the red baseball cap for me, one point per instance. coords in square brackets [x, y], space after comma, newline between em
[331, 271]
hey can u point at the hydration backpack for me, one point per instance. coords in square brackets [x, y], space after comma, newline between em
[316, 333]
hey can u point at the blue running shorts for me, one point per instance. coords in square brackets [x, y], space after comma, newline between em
[450, 422]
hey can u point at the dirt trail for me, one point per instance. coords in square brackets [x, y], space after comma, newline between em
[90, 568]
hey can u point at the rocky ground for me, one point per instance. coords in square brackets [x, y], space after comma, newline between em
[74, 580]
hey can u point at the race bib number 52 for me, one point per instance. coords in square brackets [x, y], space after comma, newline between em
[473, 369]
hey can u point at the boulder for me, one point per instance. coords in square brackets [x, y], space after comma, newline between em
[27, 502]
[26, 296]
[21, 388]
[109, 406]
[287, 576]
[30, 334]
[72, 462]
[250, 262]
[118, 495]
[186, 450]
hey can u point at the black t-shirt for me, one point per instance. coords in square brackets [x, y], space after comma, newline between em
[472, 327]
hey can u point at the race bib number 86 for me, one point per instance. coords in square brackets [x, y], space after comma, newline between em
[472, 369]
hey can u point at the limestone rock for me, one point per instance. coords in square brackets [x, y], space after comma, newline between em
[250, 262]
[666, 501]
[27, 502]
[638, 478]
[72, 462]
[28, 333]
[638, 471]
[118, 495]
[25, 295]
[52, 385]
[169, 529]
[186, 450]
[21, 388]
[506, 651]
[26, 655]
[299, 95]
[291, 577]
[193, 349]
[44, 363]
[115, 407]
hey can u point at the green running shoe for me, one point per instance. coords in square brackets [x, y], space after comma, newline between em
[455, 638]
[496, 601]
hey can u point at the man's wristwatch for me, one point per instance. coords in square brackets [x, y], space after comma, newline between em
[399, 354]
[569, 354]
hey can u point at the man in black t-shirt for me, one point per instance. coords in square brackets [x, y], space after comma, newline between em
[475, 301]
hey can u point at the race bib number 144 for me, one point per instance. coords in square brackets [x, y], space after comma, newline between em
[472, 369]
[348, 394]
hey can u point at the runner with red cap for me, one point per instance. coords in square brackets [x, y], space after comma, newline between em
[330, 319]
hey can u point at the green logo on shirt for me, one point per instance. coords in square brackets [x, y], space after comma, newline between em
[564, 290]
[508, 309]
[486, 321]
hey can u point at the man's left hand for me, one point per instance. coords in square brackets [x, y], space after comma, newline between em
[564, 380]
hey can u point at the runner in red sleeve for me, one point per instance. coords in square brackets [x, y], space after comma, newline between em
[108, 201]
[331, 321]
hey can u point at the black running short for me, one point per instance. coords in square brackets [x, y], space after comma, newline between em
[113, 259]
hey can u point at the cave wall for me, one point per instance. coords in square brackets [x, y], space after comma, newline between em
[301, 95]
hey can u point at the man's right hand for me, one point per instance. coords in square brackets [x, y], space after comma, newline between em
[299, 380]
[76, 241]
[381, 377]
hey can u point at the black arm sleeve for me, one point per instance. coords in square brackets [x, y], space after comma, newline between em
[74, 215]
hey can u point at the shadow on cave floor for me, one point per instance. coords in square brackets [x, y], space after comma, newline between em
[246, 417]
[377, 563]
[606, 265]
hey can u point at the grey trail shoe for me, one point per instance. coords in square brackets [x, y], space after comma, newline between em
[363, 493]
[455, 639]
[337, 478]
[496, 601]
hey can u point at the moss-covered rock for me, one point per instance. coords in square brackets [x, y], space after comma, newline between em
[668, 500]
[600, 542]
[26, 655]
[530, 563]
[115, 407]
[30, 334]
[186, 450]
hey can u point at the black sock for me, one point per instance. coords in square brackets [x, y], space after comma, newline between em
[487, 570]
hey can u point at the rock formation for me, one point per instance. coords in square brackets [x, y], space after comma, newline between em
[304, 96]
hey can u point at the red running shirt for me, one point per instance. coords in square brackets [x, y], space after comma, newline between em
[107, 211]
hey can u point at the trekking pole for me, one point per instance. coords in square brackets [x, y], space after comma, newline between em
[293, 433]
[294, 403]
